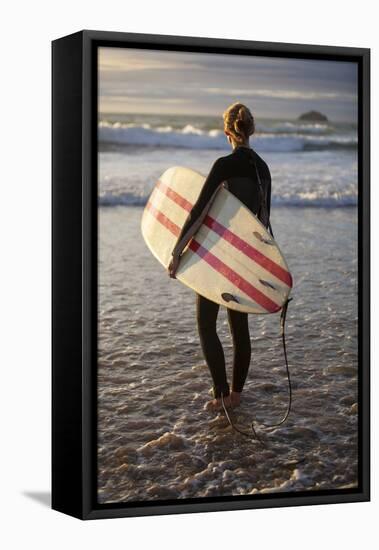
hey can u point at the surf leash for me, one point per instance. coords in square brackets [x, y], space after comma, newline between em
[286, 415]
[247, 434]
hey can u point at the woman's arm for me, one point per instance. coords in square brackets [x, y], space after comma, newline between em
[199, 210]
[197, 214]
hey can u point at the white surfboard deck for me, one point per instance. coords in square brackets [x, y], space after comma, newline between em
[232, 253]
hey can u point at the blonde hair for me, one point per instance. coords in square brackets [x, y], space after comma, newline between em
[239, 122]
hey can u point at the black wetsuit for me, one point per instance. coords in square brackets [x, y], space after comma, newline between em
[238, 170]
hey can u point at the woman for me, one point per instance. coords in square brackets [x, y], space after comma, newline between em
[244, 171]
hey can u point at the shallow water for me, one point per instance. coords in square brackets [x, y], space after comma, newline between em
[155, 440]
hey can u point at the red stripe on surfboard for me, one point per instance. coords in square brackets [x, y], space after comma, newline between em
[236, 279]
[232, 238]
[249, 251]
[173, 195]
[175, 229]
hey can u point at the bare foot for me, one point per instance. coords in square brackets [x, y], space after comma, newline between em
[235, 399]
[216, 404]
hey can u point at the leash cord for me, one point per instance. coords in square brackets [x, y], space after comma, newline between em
[282, 324]
[234, 426]
[286, 415]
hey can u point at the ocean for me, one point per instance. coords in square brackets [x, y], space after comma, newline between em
[311, 164]
[155, 440]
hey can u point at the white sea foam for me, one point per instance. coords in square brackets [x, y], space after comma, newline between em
[300, 200]
[285, 138]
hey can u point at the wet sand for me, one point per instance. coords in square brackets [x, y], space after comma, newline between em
[155, 440]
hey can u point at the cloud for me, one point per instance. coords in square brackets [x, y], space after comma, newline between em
[280, 94]
[192, 82]
[125, 60]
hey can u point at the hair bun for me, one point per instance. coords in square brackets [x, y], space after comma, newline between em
[242, 113]
[239, 121]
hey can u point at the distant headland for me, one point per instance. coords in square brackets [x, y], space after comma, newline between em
[313, 116]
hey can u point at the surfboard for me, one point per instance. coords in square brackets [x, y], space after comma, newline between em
[231, 260]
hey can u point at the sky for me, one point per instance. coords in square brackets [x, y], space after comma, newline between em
[162, 82]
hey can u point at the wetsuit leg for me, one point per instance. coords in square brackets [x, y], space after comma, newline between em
[239, 328]
[206, 313]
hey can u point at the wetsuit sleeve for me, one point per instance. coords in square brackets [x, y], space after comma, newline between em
[268, 202]
[215, 177]
[269, 194]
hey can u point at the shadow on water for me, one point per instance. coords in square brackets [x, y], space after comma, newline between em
[42, 497]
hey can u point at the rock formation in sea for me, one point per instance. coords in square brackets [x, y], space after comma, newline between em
[313, 116]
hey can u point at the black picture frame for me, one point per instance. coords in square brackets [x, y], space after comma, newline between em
[74, 272]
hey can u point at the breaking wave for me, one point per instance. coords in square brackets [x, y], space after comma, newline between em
[296, 200]
[283, 138]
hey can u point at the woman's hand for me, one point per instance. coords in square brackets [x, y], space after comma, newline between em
[173, 266]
